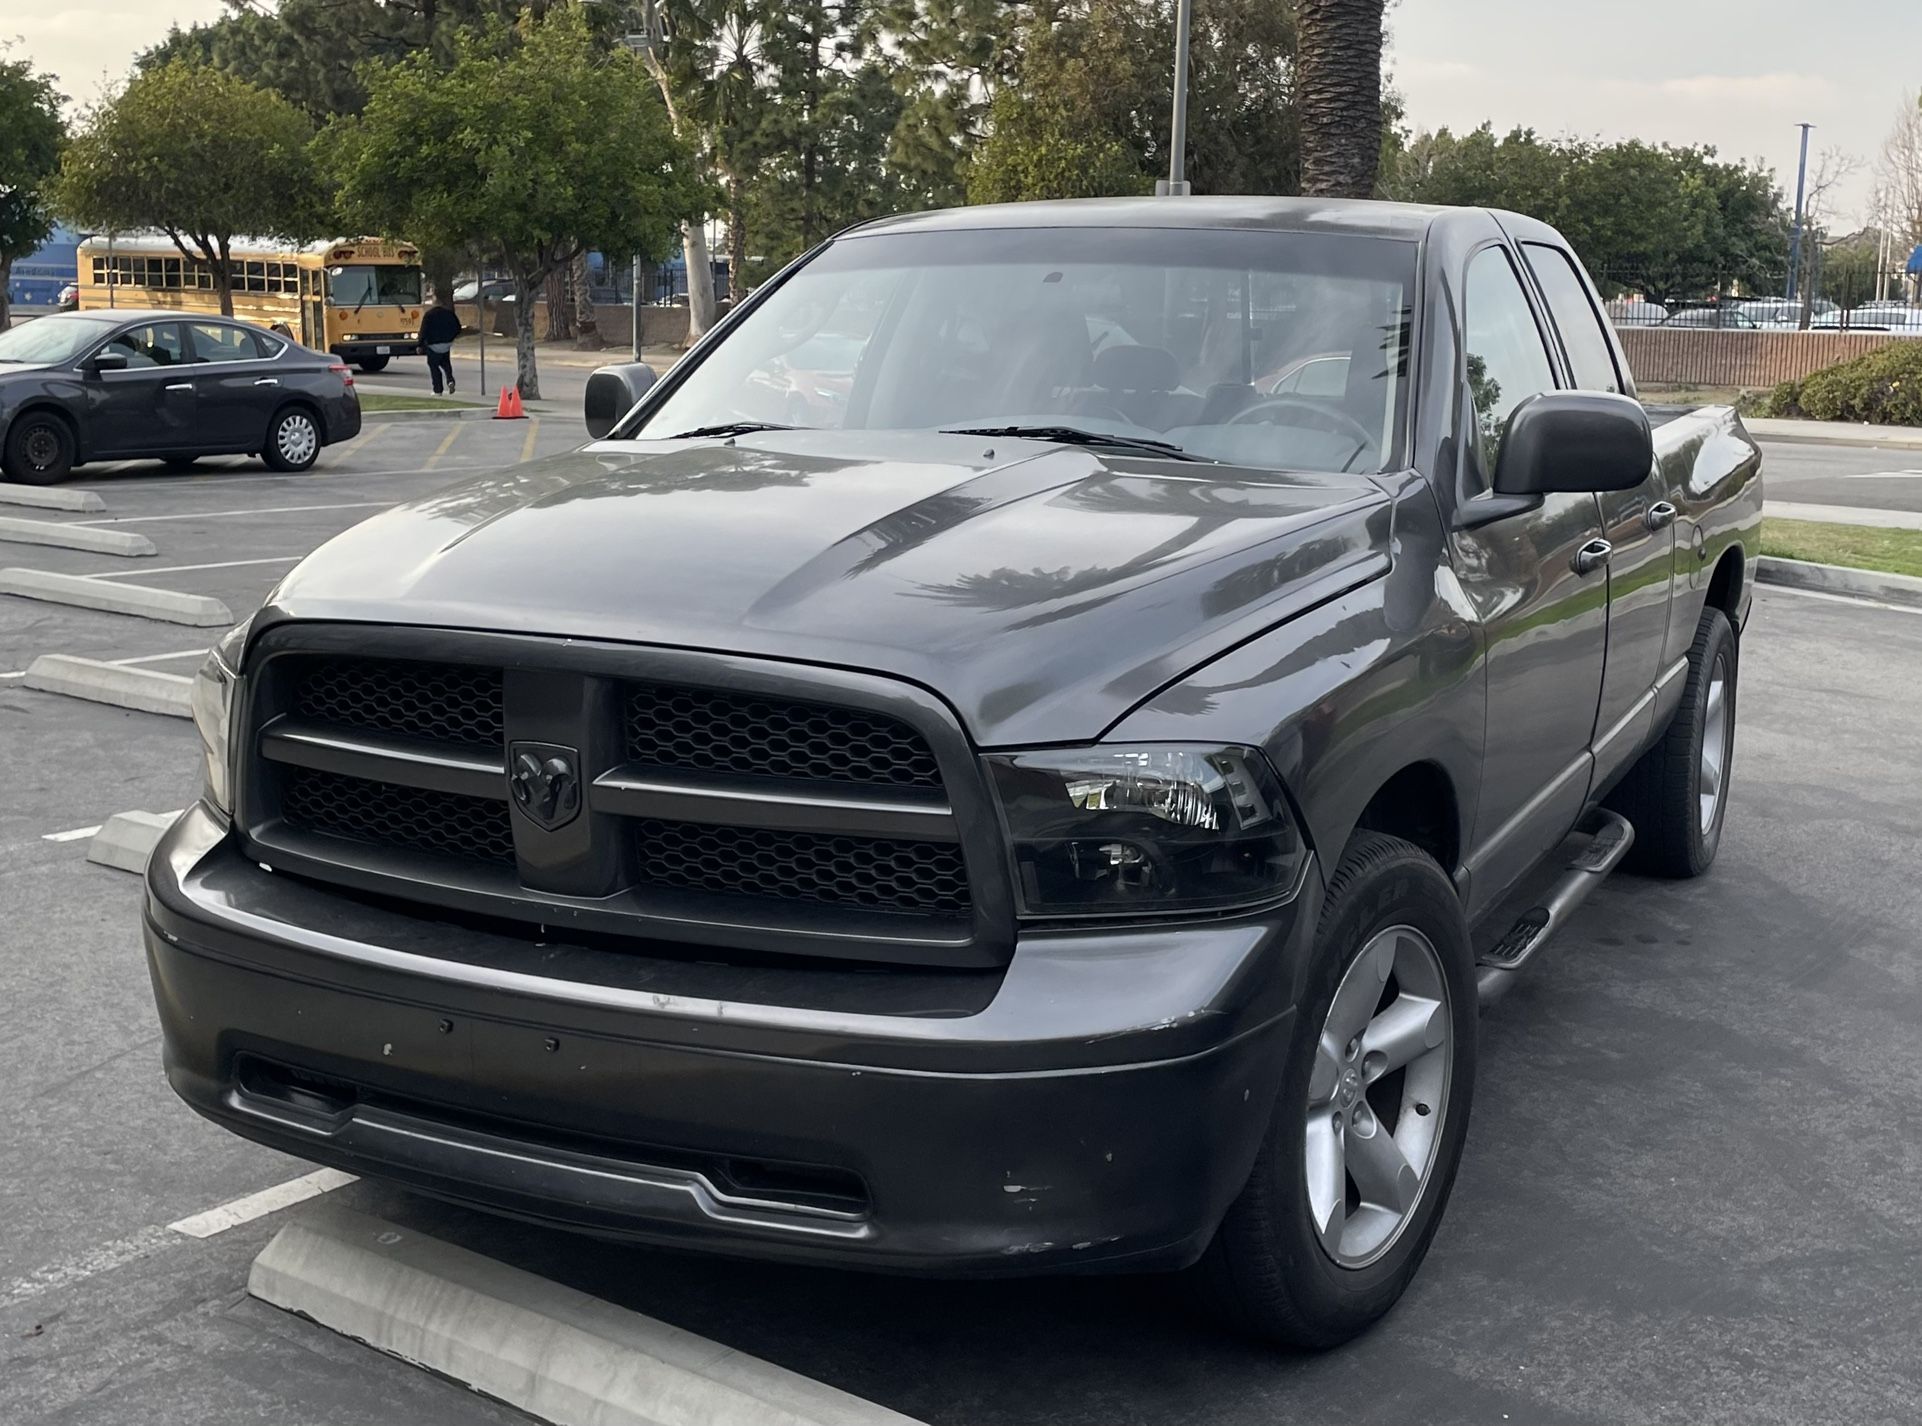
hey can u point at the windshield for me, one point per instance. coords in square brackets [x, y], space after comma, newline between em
[1258, 348]
[53, 340]
[369, 285]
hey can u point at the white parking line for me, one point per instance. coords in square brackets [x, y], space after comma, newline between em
[1882, 475]
[75, 835]
[185, 568]
[232, 514]
[259, 1205]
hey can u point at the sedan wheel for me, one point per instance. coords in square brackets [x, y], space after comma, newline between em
[294, 442]
[39, 449]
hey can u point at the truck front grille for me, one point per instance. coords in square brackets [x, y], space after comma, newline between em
[739, 808]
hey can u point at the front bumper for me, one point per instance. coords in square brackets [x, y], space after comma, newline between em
[1097, 1104]
[355, 350]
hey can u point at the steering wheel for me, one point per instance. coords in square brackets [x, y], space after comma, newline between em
[1327, 418]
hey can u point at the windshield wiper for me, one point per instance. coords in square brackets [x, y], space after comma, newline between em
[735, 428]
[1075, 436]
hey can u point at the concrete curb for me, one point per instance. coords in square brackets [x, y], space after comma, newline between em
[142, 601]
[456, 413]
[1835, 579]
[127, 839]
[43, 497]
[1872, 517]
[555, 1353]
[74, 537]
[1816, 433]
[142, 689]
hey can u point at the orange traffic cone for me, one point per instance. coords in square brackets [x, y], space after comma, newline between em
[509, 408]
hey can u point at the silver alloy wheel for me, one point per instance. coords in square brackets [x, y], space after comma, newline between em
[1378, 1095]
[296, 439]
[1715, 746]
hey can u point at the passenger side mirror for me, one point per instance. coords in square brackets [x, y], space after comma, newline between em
[1574, 441]
[109, 361]
[612, 392]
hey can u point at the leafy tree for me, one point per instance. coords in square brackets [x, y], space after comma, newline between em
[954, 56]
[534, 146]
[199, 154]
[31, 134]
[1339, 96]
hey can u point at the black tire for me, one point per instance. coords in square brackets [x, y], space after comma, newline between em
[285, 451]
[39, 450]
[1266, 1272]
[370, 365]
[1661, 795]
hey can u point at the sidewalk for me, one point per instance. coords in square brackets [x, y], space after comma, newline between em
[1844, 515]
[1833, 433]
[565, 353]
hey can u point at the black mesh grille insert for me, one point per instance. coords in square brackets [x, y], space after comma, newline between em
[705, 730]
[444, 703]
[804, 866]
[383, 815]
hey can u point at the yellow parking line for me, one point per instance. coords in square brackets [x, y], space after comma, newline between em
[533, 431]
[443, 448]
[368, 433]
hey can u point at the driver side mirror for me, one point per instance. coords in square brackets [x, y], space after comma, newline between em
[612, 392]
[108, 361]
[1574, 442]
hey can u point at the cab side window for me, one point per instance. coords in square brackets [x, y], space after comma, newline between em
[1507, 362]
[156, 345]
[1575, 318]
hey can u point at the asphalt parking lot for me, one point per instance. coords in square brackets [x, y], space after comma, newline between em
[1689, 1192]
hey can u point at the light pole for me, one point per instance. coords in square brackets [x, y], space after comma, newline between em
[1176, 184]
[1795, 240]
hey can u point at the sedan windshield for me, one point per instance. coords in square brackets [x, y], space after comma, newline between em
[1275, 349]
[55, 340]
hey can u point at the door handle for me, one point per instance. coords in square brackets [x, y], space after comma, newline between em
[1592, 556]
[179, 386]
[275, 381]
[1660, 515]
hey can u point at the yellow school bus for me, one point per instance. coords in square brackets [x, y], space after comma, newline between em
[359, 298]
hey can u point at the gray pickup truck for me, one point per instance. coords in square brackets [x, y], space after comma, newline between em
[1024, 752]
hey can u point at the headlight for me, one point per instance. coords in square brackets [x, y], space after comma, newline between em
[1145, 830]
[212, 699]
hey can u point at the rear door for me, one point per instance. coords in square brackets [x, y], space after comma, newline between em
[1542, 602]
[1639, 525]
[237, 387]
[147, 409]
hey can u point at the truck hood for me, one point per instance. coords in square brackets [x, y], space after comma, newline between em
[1042, 590]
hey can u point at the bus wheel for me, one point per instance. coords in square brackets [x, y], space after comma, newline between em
[39, 449]
[370, 365]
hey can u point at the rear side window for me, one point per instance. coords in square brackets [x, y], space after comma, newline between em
[270, 346]
[1575, 318]
[217, 343]
[1507, 362]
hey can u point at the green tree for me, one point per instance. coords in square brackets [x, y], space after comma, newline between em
[200, 154]
[1338, 100]
[31, 134]
[533, 146]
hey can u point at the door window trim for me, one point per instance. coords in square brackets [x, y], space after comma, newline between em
[1567, 257]
[1467, 419]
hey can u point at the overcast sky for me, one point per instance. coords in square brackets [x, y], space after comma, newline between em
[1679, 71]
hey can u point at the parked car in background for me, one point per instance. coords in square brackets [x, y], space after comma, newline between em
[1637, 313]
[1057, 812]
[494, 289]
[69, 297]
[1872, 317]
[1721, 317]
[88, 386]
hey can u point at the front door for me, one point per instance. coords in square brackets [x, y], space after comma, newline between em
[238, 391]
[147, 409]
[1542, 600]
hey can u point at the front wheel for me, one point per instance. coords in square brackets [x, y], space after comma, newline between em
[1368, 1128]
[39, 449]
[370, 365]
[293, 443]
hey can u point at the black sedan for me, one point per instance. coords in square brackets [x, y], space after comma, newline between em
[94, 386]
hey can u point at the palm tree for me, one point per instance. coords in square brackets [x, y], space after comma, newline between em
[1338, 95]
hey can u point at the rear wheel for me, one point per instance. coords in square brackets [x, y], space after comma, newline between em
[39, 449]
[1676, 795]
[1368, 1128]
[293, 441]
[370, 365]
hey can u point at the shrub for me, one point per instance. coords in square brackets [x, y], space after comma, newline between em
[1883, 388]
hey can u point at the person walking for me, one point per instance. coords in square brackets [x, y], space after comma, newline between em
[438, 328]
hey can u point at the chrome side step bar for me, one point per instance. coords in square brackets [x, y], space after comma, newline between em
[1610, 837]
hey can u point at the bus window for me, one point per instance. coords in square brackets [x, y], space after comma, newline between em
[367, 285]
